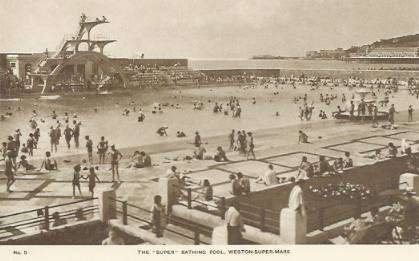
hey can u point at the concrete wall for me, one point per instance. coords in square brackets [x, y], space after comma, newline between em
[150, 62]
[367, 74]
[247, 72]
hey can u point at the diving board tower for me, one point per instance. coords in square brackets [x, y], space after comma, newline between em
[73, 48]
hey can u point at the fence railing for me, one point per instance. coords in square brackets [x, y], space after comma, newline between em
[264, 219]
[201, 204]
[144, 216]
[45, 217]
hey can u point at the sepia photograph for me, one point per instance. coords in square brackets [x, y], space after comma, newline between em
[190, 129]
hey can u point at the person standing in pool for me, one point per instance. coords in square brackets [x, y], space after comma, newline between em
[116, 156]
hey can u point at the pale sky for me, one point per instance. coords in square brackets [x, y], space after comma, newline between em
[208, 28]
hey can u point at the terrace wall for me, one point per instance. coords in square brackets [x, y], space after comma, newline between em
[377, 177]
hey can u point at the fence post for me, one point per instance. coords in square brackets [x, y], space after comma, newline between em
[124, 212]
[321, 219]
[262, 220]
[223, 208]
[196, 238]
[189, 198]
[46, 213]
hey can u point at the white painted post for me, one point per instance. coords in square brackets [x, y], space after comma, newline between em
[293, 226]
[107, 206]
[167, 189]
[219, 235]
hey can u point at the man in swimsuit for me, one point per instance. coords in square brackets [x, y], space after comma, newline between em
[231, 139]
[89, 146]
[102, 147]
[116, 156]
[10, 165]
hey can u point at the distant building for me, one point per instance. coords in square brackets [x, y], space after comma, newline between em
[326, 54]
[312, 55]
[394, 52]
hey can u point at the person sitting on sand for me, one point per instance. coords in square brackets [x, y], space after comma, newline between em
[49, 163]
[305, 169]
[244, 183]
[162, 131]
[207, 192]
[199, 153]
[180, 134]
[302, 137]
[348, 162]
[338, 165]
[392, 150]
[137, 160]
[235, 187]
[141, 117]
[268, 178]
[146, 159]
[24, 163]
[220, 155]
[324, 166]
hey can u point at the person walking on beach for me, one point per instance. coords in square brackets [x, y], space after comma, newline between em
[76, 180]
[8, 171]
[11, 146]
[410, 112]
[68, 134]
[92, 181]
[89, 146]
[102, 147]
[352, 111]
[30, 144]
[53, 138]
[198, 141]
[375, 116]
[251, 146]
[391, 113]
[116, 156]
[231, 139]
[76, 133]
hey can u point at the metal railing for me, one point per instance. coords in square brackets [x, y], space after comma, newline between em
[25, 219]
[201, 204]
[141, 216]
